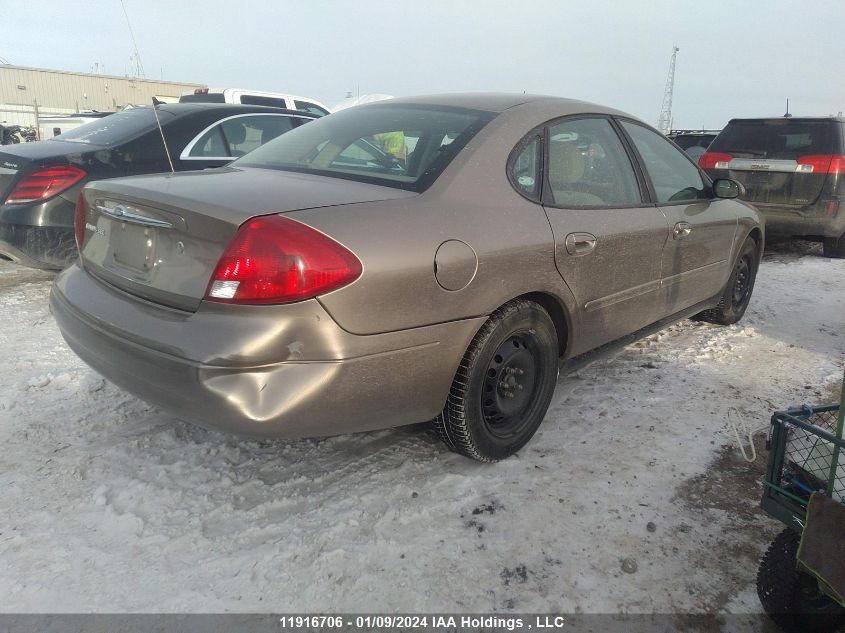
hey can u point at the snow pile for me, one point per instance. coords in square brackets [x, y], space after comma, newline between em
[111, 505]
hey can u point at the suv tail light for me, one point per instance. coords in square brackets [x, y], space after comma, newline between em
[714, 160]
[80, 216]
[273, 259]
[823, 163]
[45, 183]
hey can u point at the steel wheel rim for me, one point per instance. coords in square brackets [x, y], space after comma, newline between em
[742, 280]
[511, 383]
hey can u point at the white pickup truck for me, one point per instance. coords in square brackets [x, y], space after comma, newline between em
[254, 97]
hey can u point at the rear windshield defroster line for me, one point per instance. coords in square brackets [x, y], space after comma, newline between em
[405, 146]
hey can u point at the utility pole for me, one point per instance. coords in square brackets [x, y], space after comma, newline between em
[664, 121]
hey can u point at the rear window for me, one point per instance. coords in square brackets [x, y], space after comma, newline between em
[205, 97]
[116, 128]
[401, 146]
[273, 102]
[785, 139]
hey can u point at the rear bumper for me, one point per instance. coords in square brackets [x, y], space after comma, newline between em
[39, 235]
[321, 381]
[806, 221]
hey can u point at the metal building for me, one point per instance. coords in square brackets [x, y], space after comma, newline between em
[27, 93]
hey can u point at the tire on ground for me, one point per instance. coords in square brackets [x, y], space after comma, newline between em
[791, 597]
[504, 384]
[731, 307]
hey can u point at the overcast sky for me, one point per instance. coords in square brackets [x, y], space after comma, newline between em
[737, 58]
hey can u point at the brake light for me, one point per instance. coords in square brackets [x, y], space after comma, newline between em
[201, 91]
[823, 163]
[80, 216]
[273, 259]
[45, 183]
[714, 160]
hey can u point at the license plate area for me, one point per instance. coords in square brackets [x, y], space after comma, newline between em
[133, 246]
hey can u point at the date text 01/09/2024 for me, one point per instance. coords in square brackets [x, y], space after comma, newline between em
[444, 622]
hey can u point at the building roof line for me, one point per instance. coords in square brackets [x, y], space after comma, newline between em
[98, 76]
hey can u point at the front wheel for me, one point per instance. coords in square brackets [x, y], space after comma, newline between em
[791, 597]
[737, 293]
[504, 384]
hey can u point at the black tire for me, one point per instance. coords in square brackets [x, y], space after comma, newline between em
[737, 292]
[834, 247]
[504, 384]
[791, 597]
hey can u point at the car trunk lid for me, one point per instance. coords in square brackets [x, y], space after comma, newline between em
[780, 162]
[160, 237]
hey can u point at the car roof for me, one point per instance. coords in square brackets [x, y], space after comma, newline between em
[182, 109]
[788, 118]
[499, 102]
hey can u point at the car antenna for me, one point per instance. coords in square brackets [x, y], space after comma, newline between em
[163, 140]
[787, 115]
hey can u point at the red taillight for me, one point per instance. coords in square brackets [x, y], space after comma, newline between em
[273, 259]
[709, 160]
[45, 183]
[824, 163]
[79, 218]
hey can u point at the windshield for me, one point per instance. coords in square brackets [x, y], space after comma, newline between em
[402, 146]
[115, 128]
[783, 139]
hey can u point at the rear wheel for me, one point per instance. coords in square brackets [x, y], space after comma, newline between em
[504, 384]
[834, 247]
[737, 292]
[791, 597]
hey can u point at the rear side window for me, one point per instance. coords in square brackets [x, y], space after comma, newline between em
[674, 177]
[238, 136]
[313, 108]
[275, 102]
[588, 166]
[116, 128]
[784, 139]
[525, 169]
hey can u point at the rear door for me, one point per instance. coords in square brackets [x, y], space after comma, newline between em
[608, 235]
[695, 260]
[781, 162]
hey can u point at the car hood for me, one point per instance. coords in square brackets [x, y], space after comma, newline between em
[235, 194]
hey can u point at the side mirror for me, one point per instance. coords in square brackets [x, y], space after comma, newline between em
[727, 188]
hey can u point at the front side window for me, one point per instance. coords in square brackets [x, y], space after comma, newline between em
[404, 146]
[307, 106]
[588, 166]
[674, 177]
[240, 135]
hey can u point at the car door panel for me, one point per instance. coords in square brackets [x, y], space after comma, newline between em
[608, 240]
[695, 262]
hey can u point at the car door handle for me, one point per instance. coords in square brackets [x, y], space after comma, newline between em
[681, 230]
[580, 243]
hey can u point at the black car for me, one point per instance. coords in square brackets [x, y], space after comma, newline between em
[693, 142]
[40, 182]
[793, 170]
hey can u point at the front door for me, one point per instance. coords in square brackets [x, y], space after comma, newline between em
[608, 238]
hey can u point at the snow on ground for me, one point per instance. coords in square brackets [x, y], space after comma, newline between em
[111, 505]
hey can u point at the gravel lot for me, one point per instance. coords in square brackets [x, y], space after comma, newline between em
[111, 505]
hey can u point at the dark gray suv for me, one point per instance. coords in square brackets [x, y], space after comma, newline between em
[793, 170]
